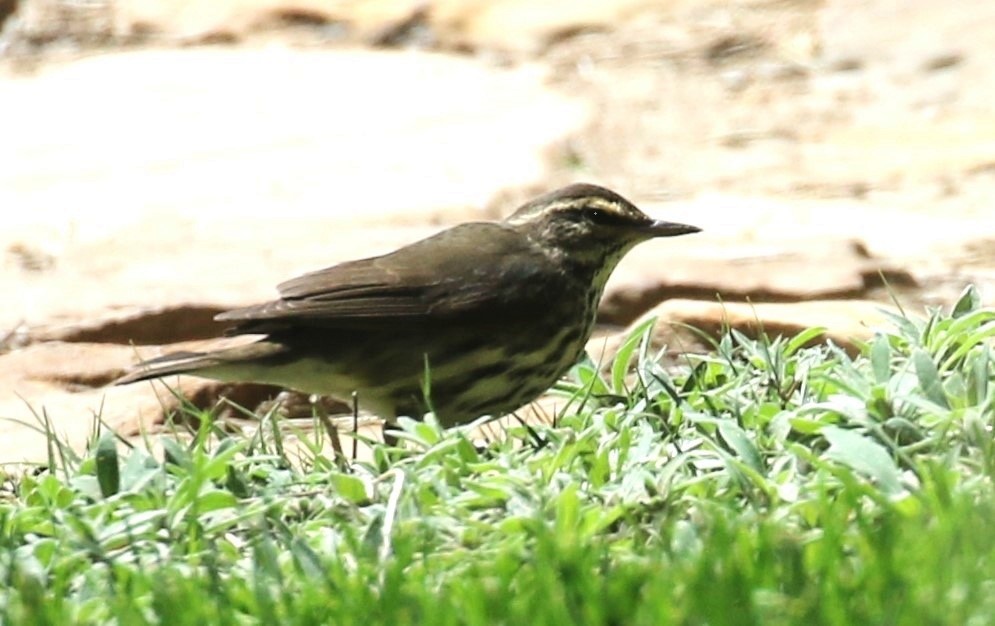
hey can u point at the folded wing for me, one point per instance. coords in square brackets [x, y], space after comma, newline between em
[455, 271]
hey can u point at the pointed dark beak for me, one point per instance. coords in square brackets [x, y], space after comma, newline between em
[659, 228]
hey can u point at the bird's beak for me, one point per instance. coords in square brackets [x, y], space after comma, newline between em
[659, 228]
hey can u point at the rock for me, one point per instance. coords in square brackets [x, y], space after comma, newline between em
[135, 287]
[508, 25]
[296, 133]
[67, 386]
[774, 270]
[846, 322]
[56, 383]
[40, 22]
[230, 20]
[144, 325]
[909, 34]
[273, 169]
[526, 26]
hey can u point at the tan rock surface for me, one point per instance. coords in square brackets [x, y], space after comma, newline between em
[508, 25]
[816, 144]
[161, 282]
[180, 159]
[767, 269]
[57, 382]
[67, 385]
[846, 322]
[528, 26]
[222, 135]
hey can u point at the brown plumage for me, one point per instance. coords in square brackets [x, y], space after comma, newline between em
[491, 314]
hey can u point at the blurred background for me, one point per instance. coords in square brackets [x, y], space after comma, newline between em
[163, 161]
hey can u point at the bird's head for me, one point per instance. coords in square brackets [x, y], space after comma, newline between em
[590, 225]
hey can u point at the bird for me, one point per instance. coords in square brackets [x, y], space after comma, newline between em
[478, 319]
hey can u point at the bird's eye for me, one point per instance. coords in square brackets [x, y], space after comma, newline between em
[605, 218]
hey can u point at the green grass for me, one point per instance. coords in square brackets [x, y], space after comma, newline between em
[764, 483]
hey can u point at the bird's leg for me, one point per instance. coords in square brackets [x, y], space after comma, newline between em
[388, 428]
[320, 411]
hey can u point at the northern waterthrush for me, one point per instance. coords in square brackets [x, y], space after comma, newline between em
[485, 316]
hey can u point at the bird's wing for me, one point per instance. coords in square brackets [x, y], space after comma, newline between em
[429, 280]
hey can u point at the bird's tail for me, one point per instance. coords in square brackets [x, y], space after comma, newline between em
[169, 364]
[208, 364]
